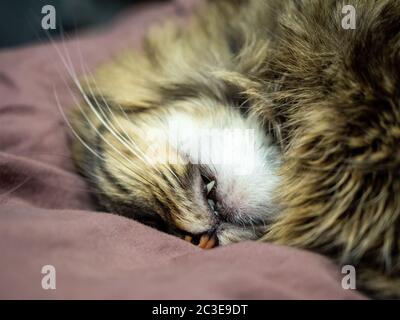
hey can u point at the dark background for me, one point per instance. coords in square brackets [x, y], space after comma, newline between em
[20, 20]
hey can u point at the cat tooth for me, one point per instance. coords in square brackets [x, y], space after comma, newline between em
[209, 186]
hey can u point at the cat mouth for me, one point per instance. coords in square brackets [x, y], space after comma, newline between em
[208, 239]
[211, 195]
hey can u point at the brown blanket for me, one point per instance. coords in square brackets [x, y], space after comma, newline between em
[47, 218]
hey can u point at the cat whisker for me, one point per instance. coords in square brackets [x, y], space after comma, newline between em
[142, 156]
[72, 74]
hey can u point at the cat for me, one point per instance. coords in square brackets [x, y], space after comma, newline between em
[322, 104]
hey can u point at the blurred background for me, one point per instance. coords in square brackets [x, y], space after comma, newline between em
[20, 21]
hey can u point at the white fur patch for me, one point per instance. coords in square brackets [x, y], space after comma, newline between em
[237, 152]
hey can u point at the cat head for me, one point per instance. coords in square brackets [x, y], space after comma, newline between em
[196, 168]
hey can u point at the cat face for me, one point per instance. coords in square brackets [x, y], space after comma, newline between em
[197, 169]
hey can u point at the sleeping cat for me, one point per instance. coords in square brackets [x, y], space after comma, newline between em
[321, 105]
